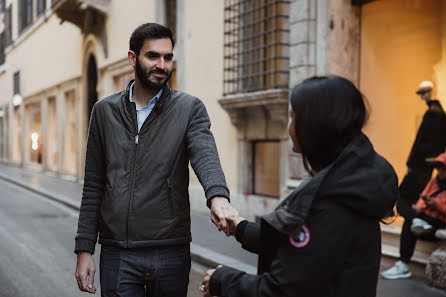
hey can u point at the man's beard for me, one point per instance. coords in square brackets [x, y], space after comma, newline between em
[146, 83]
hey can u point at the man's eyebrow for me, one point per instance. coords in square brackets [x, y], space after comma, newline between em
[153, 53]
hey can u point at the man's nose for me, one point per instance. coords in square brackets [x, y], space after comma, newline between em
[161, 63]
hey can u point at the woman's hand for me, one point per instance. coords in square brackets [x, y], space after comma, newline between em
[233, 221]
[205, 282]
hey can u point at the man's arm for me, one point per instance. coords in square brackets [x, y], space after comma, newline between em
[94, 183]
[206, 164]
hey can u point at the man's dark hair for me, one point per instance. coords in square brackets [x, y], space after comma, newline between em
[149, 31]
[330, 111]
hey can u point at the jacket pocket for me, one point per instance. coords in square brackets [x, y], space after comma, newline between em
[169, 197]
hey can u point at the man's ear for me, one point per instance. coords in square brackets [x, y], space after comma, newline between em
[132, 58]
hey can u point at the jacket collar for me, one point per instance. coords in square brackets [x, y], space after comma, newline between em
[359, 179]
[129, 107]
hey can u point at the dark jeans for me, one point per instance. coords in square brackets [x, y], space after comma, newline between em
[408, 239]
[144, 272]
[411, 187]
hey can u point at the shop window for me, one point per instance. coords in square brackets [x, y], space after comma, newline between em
[34, 137]
[255, 45]
[266, 168]
[53, 142]
[70, 134]
[16, 131]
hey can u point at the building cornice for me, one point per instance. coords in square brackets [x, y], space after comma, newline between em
[275, 102]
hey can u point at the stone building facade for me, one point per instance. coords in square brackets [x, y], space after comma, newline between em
[241, 57]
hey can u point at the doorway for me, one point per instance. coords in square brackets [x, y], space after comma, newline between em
[92, 81]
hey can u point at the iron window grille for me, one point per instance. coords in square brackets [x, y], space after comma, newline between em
[256, 34]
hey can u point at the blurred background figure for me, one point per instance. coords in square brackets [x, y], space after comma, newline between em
[429, 142]
[430, 216]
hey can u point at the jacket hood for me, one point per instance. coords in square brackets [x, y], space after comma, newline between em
[359, 179]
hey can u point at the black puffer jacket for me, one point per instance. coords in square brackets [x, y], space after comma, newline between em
[136, 183]
[338, 251]
[431, 137]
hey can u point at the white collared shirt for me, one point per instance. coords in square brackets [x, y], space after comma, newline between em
[143, 112]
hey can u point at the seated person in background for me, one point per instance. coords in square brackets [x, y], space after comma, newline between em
[431, 216]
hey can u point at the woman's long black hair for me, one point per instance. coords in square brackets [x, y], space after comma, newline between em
[330, 111]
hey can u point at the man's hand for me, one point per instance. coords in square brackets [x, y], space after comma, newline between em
[205, 281]
[85, 269]
[220, 210]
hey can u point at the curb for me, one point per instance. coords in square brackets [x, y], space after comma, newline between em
[199, 254]
[36, 190]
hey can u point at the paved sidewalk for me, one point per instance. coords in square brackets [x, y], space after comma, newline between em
[208, 246]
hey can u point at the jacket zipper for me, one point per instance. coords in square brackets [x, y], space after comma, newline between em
[169, 197]
[132, 187]
[136, 141]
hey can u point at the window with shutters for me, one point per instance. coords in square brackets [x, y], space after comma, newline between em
[8, 27]
[16, 81]
[41, 6]
[266, 168]
[25, 10]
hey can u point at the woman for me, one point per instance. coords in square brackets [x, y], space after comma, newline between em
[324, 239]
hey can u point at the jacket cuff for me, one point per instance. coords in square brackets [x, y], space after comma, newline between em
[218, 191]
[216, 280]
[84, 245]
[240, 230]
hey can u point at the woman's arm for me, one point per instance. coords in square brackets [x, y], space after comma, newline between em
[309, 270]
[248, 234]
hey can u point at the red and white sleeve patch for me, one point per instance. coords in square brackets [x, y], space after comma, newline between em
[303, 240]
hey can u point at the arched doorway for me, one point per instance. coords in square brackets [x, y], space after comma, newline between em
[92, 81]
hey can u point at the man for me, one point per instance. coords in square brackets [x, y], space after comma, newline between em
[430, 217]
[429, 142]
[135, 194]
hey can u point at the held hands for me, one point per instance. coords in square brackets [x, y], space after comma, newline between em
[221, 212]
[85, 270]
[205, 282]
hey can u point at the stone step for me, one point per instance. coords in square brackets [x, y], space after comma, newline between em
[390, 245]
